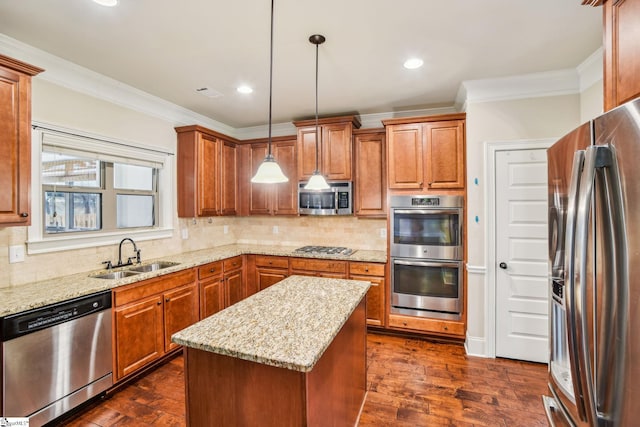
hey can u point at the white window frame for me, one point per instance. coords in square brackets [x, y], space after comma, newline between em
[109, 149]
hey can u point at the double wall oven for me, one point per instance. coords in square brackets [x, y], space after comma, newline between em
[426, 247]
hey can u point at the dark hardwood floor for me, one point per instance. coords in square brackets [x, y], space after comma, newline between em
[411, 382]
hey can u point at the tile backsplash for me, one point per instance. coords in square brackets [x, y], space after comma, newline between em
[192, 235]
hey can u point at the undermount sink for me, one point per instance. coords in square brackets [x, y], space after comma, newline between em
[116, 275]
[154, 266]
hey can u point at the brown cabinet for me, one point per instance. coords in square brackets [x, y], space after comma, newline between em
[211, 283]
[621, 52]
[270, 270]
[207, 173]
[426, 153]
[146, 314]
[439, 327]
[233, 280]
[318, 267]
[374, 273]
[269, 199]
[370, 183]
[15, 141]
[335, 147]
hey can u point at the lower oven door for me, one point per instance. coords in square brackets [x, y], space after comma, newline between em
[426, 287]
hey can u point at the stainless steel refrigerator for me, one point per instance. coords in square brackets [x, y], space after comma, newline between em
[594, 252]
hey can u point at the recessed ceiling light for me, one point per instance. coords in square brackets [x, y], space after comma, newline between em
[244, 89]
[413, 63]
[109, 3]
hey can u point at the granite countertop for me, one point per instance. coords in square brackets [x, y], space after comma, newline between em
[38, 294]
[288, 325]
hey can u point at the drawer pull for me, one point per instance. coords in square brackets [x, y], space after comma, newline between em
[168, 299]
[366, 270]
[24, 214]
[159, 302]
[212, 270]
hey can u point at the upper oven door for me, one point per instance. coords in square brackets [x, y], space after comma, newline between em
[426, 233]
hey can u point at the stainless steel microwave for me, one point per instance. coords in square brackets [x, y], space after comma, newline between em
[336, 200]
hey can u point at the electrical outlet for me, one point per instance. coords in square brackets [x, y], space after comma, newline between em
[16, 254]
[275, 229]
[225, 229]
[383, 233]
[185, 233]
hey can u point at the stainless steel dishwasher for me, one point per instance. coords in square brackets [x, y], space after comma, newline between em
[56, 357]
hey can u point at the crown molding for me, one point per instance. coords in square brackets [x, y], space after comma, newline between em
[72, 76]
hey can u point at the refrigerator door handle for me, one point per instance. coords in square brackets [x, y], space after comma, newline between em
[611, 342]
[569, 278]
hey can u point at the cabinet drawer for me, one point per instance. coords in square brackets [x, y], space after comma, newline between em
[154, 286]
[232, 263]
[210, 269]
[422, 324]
[366, 269]
[272, 261]
[318, 265]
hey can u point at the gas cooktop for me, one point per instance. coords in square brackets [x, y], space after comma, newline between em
[330, 250]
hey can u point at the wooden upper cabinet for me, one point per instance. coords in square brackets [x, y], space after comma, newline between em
[335, 147]
[426, 153]
[444, 161]
[207, 173]
[405, 158]
[622, 52]
[269, 199]
[370, 183]
[15, 141]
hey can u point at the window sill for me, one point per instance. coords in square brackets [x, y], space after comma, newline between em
[65, 243]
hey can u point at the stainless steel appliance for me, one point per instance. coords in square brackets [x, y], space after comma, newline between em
[329, 250]
[336, 200]
[426, 255]
[594, 250]
[56, 357]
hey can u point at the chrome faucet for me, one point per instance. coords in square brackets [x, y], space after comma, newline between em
[129, 259]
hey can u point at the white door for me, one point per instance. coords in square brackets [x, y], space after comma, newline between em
[522, 290]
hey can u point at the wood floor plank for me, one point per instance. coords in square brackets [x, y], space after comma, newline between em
[410, 382]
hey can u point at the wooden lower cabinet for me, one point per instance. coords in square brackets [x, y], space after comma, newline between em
[374, 273]
[427, 325]
[233, 280]
[146, 314]
[221, 284]
[269, 270]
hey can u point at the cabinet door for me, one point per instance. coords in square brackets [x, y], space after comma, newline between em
[234, 288]
[405, 156]
[375, 299]
[621, 59]
[228, 178]
[370, 180]
[336, 151]
[180, 311]
[307, 153]
[266, 277]
[259, 194]
[285, 199]
[211, 296]
[444, 157]
[139, 335]
[15, 148]
[207, 175]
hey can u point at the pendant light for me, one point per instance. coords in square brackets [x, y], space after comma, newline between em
[269, 171]
[317, 181]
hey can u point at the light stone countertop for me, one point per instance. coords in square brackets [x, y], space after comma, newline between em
[288, 325]
[38, 294]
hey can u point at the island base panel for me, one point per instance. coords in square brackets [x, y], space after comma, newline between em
[223, 390]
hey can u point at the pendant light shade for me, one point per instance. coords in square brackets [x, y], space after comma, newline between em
[269, 171]
[317, 181]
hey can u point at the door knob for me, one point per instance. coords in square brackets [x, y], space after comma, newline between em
[503, 265]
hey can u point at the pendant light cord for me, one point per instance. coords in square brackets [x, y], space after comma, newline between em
[271, 80]
[317, 129]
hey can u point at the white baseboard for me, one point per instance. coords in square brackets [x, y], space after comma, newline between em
[475, 346]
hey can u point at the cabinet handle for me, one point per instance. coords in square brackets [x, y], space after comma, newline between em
[212, 270]
[168, 299]
[159, 302]
[366, 270]
[24, 214]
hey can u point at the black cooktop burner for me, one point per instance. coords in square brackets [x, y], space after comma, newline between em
[331, 250]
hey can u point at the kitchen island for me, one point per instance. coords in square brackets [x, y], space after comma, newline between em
[291, 355]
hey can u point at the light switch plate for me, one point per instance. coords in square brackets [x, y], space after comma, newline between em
[225, 229]
[16, 254]
[383, 233]
[276, 230]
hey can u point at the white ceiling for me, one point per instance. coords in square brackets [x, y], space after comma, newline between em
[169, 48]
